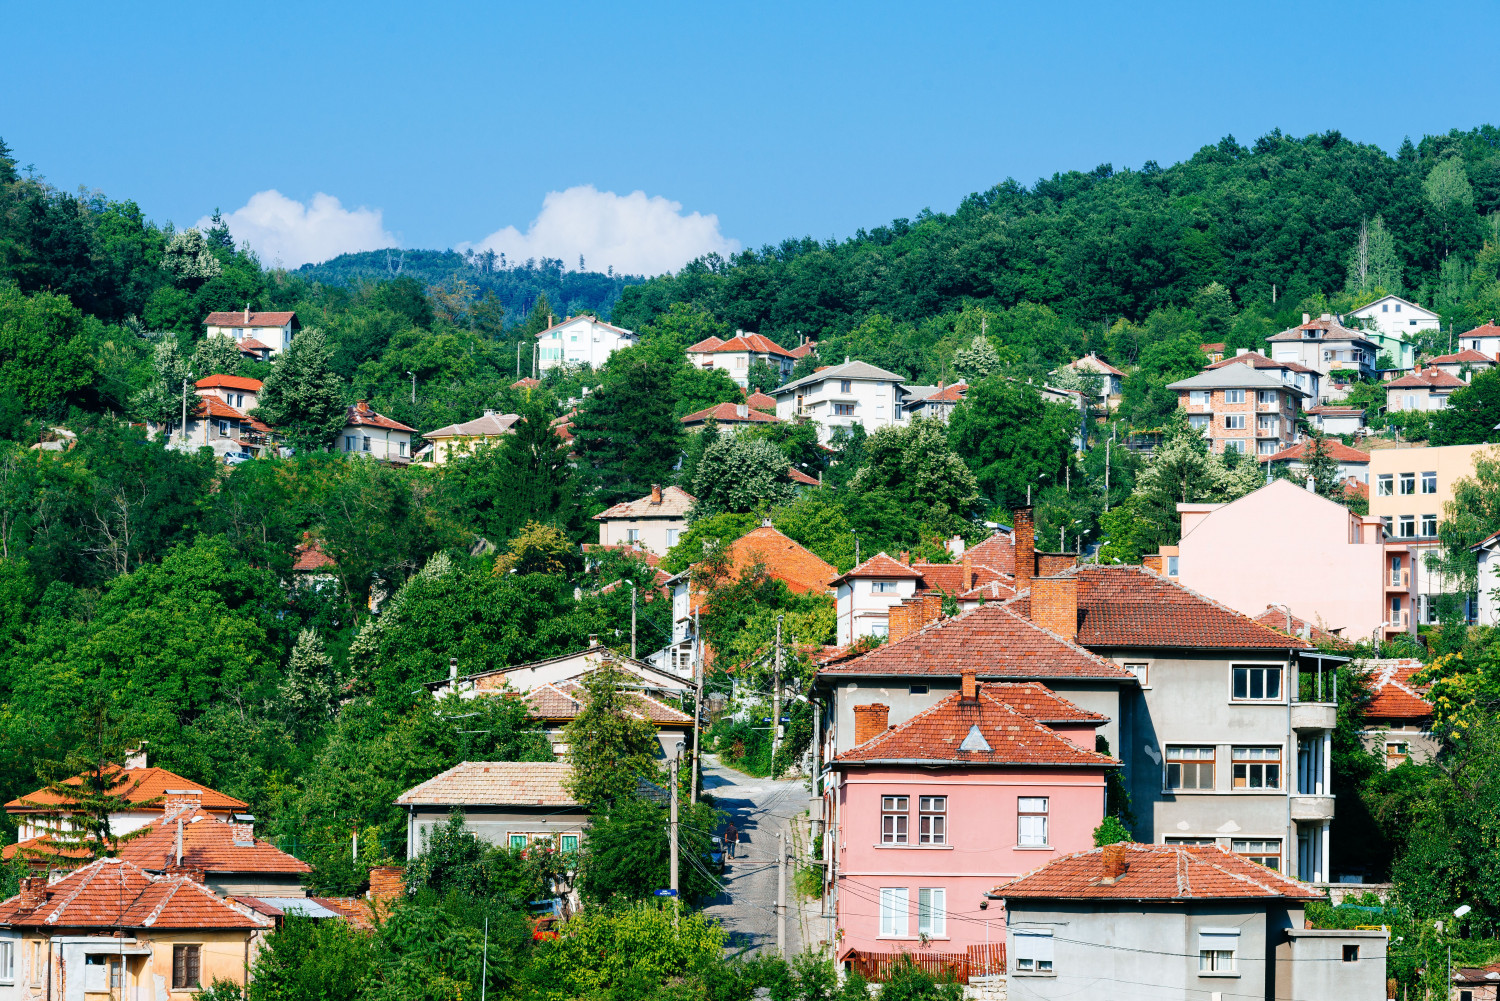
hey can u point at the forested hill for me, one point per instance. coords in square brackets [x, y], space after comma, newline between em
[518, 288]
[1098, 245]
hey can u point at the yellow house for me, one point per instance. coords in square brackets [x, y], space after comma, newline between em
[456, 440]
[112, 930]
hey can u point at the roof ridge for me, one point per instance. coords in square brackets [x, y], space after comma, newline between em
[172, 888]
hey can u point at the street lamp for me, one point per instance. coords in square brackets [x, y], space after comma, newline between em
[413, 387]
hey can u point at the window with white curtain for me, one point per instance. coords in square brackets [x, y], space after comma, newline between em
[1216, 950]
[895, 902]
[932, 912]
[1031, 821]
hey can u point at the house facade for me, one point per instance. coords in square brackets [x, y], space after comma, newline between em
[272, 332]
[1310, 381]
[844, 395]
[240, 393]
[1463, 364]
[1352, 463]
[375, 436]
[510, 804]
[1111, 379]
[654, 522]
[1394, 323]
[1332, 419]
[1485, 339]
[151, 791]
[457, 440]
[737, 355]
[865, 595]
[558, 703]
[214, 424]
[938, 403]
[1424, 389]
[1240, 408]
[580, 340]
[1397, 723]
[1326, 345]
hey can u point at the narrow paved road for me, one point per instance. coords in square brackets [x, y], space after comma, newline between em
[760, 808]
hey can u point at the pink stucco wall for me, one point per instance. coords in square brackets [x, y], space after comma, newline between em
[981, 849]
[1284, 545]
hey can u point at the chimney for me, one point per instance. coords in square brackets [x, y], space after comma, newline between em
[904, 557]
[243, 833]
[1054, 605]
[1241, 351]
[33, 891]
[192, 872]
[489, 413]
[1024, 537]
[1115, 861]
[1306, 319]
[593, 640]
[966, 582]
[940, 385]
[656, 493]
[452, 670]
[247, 312]
[361, 406]
[869, 721]
[969, 688]
[136, 758]
[1326, 317]
[742, 410]
[932, 607]
[551, 320]
[1152, 562]
[387, 883]
[182, 799]
[898, 623]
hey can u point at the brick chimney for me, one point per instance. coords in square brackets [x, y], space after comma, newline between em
[898, 623]
[967, 581]
[1116, 862]
[869, 721]
[1025, 545]
[1054, 605]
[362, 406]
[932, 608]
[1152, 562]
[243, 834]
[656, 493]
[182, 799]
[192, 872]
[969, 689]
[387, 883]
[33, 891]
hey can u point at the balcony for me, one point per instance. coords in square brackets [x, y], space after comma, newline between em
[1312, 809]
[1399, 580]
[1314, 715]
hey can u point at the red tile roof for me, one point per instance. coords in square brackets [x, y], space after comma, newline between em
[1428, 378]
[882, 566]
[755, 343]
[991, 587]
[1258, 360]
[784, 560]
[798, 476]
[945, 733]
[675, 503]
[760, 401]
[945, 577]
[229, 382]
[1129, 606]
[993, 641]
[118, 894]
[361, 415]
[706, 345]
[1484, 330]
[250, 345]
[1332, 447]
[728, 413]
[1097, 364]
[564, 700]
[1468, 356]
[1356, 488]
[1156, 872]
[1036, 700]
[310, 556]
[1278, 619]
[948, 394]
[998, 551]
[207, 844]
[526, 383]
[237, 319]
[1394, 695]
[137, 785]
[803, 350]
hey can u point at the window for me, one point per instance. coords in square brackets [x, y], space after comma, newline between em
[184, 967]
[1398, 307]
[1234, 396]
[673, 534]
[517, 841]
[1234, 445]
[1383, 484]
[1351, 952]
[893, 820]
[570, 843]
[1190, 768]
[1396, 751]
[1216, 950]
[1429, 482]
[843, 410]
[1031, 821]
[1267, 424]
[366, 446]
[932, 912]
[932, 820]
[916, 690]
[1390, 530]
[846, 385]
[1410, 401]
[894, 905]
[882, 587]
[1429, 525]
[1199, 397]
[1171, 566]
[1385, 307]
[1258, 683]
[1256, 767]
[1234, 422]
[401, 448]
[1408, 483]
[1266, 853]
[882, 629]
[1408, 523]
[632, 535]
[7, 961]
[1192, 841]
[739, 361]
[223, 429]
[1265, 396]
[1199, 422]
[1142, 672]
[349, 443]
[1266, 448]
[1033, 951]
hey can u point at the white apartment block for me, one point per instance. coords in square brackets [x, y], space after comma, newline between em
[1396, 320]
[580, 340]
[844, 395]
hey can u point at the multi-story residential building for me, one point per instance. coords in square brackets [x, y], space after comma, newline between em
[1424, 389]
[1352, 463]
[1241, 408]
[1393, 323]
[214, 424]
[457, 440]
[938, 403]
[739, 354]
[240, 393]
[1111, 379]
[1310, 381]
[994, 778]
[375, 436]
[1326, 345]
[843, 395]
[1485, 339]
[256, 333]
[580, 340]
[1344, 580]
[1463, 364]
[654, 522]
[1409, 492]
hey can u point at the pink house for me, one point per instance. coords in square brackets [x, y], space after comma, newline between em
[990, 782]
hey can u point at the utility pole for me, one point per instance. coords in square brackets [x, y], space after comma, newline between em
[697, 701]
[781, 894]
[485, 975]
[518, 359]
[675, 759]
[776, 699]
[356, 843]
[413, 387]
[1107, 442]
[1062, 540]
[632, 617]
[184, 412]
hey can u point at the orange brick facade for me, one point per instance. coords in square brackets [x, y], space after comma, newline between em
[1260, 421]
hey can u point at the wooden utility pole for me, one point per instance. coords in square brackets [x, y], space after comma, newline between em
[675, 886]
[781, 894]
[698, 699]
[776, 699]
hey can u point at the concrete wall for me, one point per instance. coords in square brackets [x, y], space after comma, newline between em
[863, 612]
[877, 404]
[1283, 544]
[495, 824]
[60, 970]
[656, 534]
[580, 341]
[1313, 964]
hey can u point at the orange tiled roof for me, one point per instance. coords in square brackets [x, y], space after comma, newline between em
[1428, 378]
[526, 383]
[803, 350]
[310, 556]
[494, 783]
[361, 415]
[675, 503]
[1257, 360]
[1277, 619]
[207, 844]
[1394, 695]
[236, 318]
[760, 401]
[1332, 447]
[112, 893]
[755, 343]
[945, 733]
[1156, 872]
[564, 700]
[879, 565]
[1468, 356]
[229, 382]
[250, 345]
[784, 560]
[948, 394]
[728, 413]
[1483, 330]
[137, 785]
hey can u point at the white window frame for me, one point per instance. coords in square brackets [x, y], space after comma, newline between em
[1200, 397]
[1218, 951]
[1032, 952]
[1429, 480]
[1234, 445]
[932, 911]
[8, 960]
[1234, 396]
[932, 820]
[1408, 484]
[896, 810]
[895, 911]
[1429, 526]
[1255, 849]
[1385, 485]
[1234, 422]
[1031, 822]
[1264, 699]
[882, 587]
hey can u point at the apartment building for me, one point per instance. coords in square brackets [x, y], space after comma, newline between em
[1326, 345]
[1310, 381]
[1241, 408]
[1409, 491]
[843, 395]
[580, 340]
[1392, 322]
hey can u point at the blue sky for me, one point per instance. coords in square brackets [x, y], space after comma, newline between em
[455, 120]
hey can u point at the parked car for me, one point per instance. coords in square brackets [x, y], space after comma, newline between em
[715, 855]
[235, 458]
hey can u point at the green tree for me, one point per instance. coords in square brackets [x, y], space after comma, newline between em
[916, 463]
[309, 690]
[1374, 263]
[610, 747]
[977, 361]
[1472, 412]
[623, 432]
[738, 474]
[1010, 437]
[45, 355]
[761, 376]
[217, 355]
[160, 401]
[302, 397]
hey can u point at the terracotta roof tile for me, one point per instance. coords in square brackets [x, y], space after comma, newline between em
[945, 733]
[757, 343]
[882, 566]
[236, 318]
[803, 350]
[708, 343]
[564, 700]
[1258, 360]
[366, 417]
[1156, 872]
[945, 577]
[1483, 330]
[1093, 363]
[1394, 697]
[1332, 447]
[310, 557]
[1428, 378]
[1468, 356]
[784, 560]
[494, 783]
[598, 547]
[207, 844]
[116, 893]
[229, 382]
[526, 383]
[1277, 618]
[728, 413]
[137, 785]
[675, 503]
[250, 345]
[760, 401]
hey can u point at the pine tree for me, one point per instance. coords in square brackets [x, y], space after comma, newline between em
[309, 690]
[977, 360]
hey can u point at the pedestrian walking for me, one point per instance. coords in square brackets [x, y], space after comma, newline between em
[731, 838]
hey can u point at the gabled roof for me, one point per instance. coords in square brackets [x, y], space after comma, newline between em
[675, 503]
[1279, 620]
[1468, 356]
[948, 394]
[945, 577]
[136, 785]
[489, 424]
[229, 382]
[526, 383]
[1393, 696]
[112, 893]
[494, 783]
[1156, 872]
[1257, 360]
[1334, 448]
[882, 566]
[785, 560]
[1234, 377]
[753, 343]
[760, 401]
[803, 350]
[564, 700]
[236, 318]
[1036, 700]
[360, 415]
[848, 370]
[997, 551]
[1483, 330]
[207, 844]
[706, 345]
[310, 556]
[251, 346]
[1427, 378]
[729, 413]
[592, 320]
[946, 732]
[1393, 298]
[993, 641]
[1332, 329]
[1093, 363]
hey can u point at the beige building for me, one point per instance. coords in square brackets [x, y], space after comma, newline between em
[375, 435]
[653, 522]
[1240, 408]
[1424, 389]
[458, 440]
[1409, 489]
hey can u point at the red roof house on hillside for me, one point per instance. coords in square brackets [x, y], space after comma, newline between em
[738, 355]
[267, 333]
[150, 791]
[376, 436]
[1398, 717]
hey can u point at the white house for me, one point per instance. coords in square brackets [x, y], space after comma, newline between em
[864, 596]
[1111, 382]
[938, 403]
[1488, 554]
[580, 340]
[1463, 364]
[843, 395]
[1484, 339]
[274, 331]
[1331, 419]
[653, 522]
[1326, 345]
[240, 393]
[1396, 319]
[739, 353]
[375, 435]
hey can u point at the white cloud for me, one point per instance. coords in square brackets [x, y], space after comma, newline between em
[284, 231]
[634, 233]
